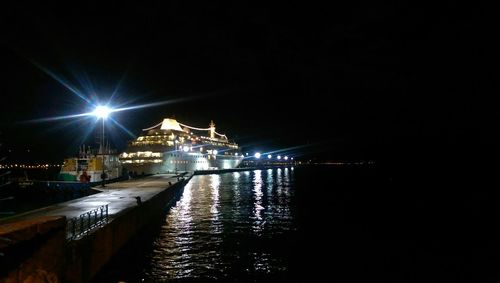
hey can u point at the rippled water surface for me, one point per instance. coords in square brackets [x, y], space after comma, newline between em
[234, 224]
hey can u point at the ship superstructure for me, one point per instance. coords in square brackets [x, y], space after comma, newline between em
[171, 146]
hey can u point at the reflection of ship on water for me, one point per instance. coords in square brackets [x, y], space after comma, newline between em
[88, 166]
[172, 146]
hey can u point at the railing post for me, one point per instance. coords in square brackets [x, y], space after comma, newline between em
[96, 217]
[89, 221]
[82, 223]
[73, 227]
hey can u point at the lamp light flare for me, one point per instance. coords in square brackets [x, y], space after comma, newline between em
[269, 156]
[257, 155]
[102, 111]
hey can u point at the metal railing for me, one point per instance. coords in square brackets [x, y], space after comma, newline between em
[76, 227]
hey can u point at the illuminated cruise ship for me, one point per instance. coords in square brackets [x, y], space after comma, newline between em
[171, 146]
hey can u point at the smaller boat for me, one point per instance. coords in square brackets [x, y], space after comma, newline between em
[90, 166]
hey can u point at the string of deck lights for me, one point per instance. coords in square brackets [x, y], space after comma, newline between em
[186, 126]
[258, 155]
[200, 129]
[24, 166]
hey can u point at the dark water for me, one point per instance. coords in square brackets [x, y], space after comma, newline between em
[319, 224]
[240, 225]
[247, 218]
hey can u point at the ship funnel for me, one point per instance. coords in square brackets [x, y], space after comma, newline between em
[170, 124]
[211, 130]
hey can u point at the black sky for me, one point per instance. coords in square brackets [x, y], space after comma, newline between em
[368, 80]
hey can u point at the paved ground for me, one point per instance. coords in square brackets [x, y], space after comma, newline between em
[118, 196]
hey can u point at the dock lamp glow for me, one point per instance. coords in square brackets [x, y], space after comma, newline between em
[286, 157]
[257, 155]
[269, 156]
[102, 112]
[279, 157]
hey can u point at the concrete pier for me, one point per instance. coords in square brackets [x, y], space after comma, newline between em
[130, 205]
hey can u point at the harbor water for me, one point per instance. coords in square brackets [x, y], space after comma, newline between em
[315, 224]
[247, 226]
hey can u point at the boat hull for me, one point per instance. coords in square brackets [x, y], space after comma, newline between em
[91, 168]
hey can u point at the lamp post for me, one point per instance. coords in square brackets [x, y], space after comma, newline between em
[103, 175]
[102, 112]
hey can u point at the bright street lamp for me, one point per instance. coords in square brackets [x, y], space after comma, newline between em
[102, 111]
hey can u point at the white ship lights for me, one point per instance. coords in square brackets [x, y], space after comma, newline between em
[141, 157]
[212, 152]
[178, 142]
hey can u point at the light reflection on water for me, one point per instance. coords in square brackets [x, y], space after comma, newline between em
[227, 226]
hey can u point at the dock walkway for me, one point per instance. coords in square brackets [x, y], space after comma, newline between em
[118, 196]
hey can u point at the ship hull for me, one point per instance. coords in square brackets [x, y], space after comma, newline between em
[180, 161]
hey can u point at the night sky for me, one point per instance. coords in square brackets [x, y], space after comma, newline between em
[364, 81]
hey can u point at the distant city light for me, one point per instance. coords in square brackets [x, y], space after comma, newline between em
[185, 148]
[292, 159]
[257, 155]
[269, 156]
[286, 157]
[279, 157]
[247, 154]
[102, 111]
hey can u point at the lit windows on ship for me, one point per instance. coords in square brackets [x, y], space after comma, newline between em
[177, 147]
[146, 154]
